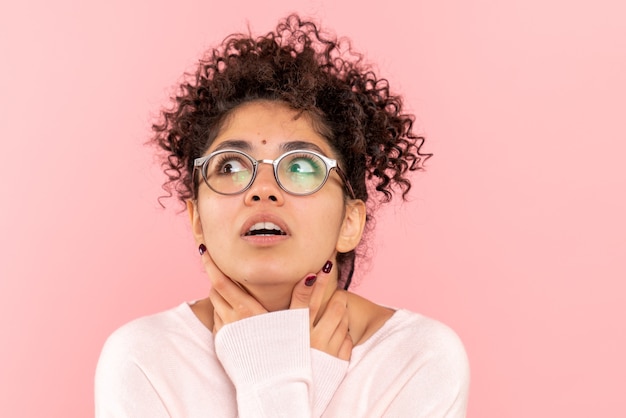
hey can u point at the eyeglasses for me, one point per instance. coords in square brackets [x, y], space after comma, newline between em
[298, 172]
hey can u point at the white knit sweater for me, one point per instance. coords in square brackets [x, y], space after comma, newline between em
[170, 365]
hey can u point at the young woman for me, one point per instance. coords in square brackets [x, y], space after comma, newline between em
[279, 146]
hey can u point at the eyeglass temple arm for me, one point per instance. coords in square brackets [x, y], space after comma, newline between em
[344, 178]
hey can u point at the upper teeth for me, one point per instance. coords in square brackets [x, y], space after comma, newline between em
[265, 225]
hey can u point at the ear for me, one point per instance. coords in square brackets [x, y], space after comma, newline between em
[194, 218]
[352, 226]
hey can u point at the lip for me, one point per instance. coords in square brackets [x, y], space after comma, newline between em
[264, 217]
[264, 240]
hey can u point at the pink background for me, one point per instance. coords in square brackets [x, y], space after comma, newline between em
[515, 236]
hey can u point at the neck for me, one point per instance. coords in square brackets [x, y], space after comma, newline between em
[277, 297]
[273, 297]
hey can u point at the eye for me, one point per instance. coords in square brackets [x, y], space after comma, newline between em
[304, 164]
[230, 164]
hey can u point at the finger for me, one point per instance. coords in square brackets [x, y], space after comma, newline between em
[321, 289]
[220, 305]
[337, 339]
[230, 291]
[301, 295]
[218, 323]
[243, 308]
[345, 351]
[334, 315]
[223, 312]
[211, 268]
[217, 277]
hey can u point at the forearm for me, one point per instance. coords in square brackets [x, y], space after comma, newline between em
[268, 359]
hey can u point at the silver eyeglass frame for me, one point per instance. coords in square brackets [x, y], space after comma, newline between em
[202, 163]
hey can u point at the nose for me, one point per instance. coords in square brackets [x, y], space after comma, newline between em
[264, 187]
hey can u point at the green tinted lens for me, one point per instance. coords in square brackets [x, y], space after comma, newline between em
[301, 173]
[229, 172]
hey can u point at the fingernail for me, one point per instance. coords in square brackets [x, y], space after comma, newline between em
[202, 249]
[310, 280]
[327, 267]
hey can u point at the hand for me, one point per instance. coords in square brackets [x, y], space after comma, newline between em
[230, 301]
[330, 332]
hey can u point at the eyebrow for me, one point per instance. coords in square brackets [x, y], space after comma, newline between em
[285, 146]
[234, 143]
[296, 145]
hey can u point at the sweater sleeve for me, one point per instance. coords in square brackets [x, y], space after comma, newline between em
[268, 359]
[328, 372]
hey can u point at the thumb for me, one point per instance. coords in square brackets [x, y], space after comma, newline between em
[301, 295]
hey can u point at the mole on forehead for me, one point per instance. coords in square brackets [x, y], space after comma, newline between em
[264, 142]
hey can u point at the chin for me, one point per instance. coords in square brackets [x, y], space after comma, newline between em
[268, 277]
[269, 269]
[268, 274]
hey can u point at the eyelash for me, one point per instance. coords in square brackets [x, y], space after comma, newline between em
[228, 157]
[305, 156]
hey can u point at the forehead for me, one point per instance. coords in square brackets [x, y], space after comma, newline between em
[269, 127]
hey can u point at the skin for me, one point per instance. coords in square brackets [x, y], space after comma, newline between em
[255, 275]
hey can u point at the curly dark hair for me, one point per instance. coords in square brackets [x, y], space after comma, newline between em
[312, 72]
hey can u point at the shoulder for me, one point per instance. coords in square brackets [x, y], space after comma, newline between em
[149, 335]
[417, 344]
[140, 358]
[432, 350]
[411, 333]
[418, 363]
[424, 338]
[145, 327]
[431, 333]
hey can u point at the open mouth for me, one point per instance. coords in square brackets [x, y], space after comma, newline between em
[264, 229]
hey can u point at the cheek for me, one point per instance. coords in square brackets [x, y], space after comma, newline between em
[325, 222]
[214, 216]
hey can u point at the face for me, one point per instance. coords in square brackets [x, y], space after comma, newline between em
[312, 227]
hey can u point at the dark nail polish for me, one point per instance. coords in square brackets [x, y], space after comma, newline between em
[202, 249]
[310, 280]
[327, 267]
